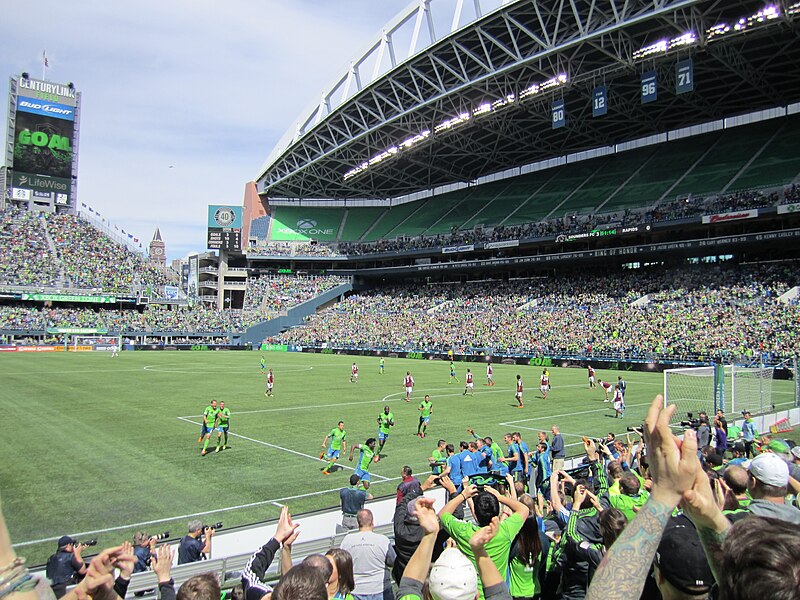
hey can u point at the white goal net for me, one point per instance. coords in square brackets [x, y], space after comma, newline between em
[731, 388]
[85, 342]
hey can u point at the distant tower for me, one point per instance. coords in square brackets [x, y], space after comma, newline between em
[158, 255]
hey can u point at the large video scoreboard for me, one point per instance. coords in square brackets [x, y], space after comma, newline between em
[43, 125]
[225, 228]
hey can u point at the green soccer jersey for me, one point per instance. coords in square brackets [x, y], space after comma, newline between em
[385, 420]
[337, 437]
[426, 408]
[438, 457]
[210, 415]
[224, 416]
[498, 548]
[365, 461]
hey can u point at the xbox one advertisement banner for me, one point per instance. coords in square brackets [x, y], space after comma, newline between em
[312, 224]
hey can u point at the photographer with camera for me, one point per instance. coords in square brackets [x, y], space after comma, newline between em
[65, 564]
[192, 548]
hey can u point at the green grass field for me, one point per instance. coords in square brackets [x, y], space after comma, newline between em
[100, 447]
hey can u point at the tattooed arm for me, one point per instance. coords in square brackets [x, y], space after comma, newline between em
[623, 571]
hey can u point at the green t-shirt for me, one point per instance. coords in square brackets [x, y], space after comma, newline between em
[438, 457]
[497, 549]
[385, 419]
[224, 415]
[383, 362]
[210, 415]
[365, 461]
[524, 579]
[426, 408]
[337, 437]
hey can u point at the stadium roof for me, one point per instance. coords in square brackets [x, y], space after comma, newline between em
[479, 99]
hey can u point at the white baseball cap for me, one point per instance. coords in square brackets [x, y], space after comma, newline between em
[770, 468]
[453, 577]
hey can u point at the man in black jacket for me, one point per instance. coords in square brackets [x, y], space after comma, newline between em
[254, 575]
[65, 564]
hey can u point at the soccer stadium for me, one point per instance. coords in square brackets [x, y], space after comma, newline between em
[472, 280]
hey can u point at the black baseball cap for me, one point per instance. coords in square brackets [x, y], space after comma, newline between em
[681, 559]
[65, 541]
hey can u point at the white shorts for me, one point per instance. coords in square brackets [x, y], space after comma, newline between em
[518, 395]
[269, 386]
[408, 390]
[591, 379]
[544, 388]
[489, 376]
[470, 385]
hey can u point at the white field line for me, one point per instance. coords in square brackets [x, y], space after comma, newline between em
[275, 501]
[572, 414]
[276, 447]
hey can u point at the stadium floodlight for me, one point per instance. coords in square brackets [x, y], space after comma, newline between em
[664, 46]
[450, 123]
[793, 9]
[761, 17]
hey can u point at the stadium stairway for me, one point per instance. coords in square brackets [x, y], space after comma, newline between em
[60, 281]
[293, 317]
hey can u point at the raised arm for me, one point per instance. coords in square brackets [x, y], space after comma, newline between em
[623, 571]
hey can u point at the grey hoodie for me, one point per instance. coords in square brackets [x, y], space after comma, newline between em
[782, 512]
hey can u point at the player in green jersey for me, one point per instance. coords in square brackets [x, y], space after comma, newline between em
[365, 460]
[209, 422]
[223, 423]
[338, 438]
[263, 365]
[438, 458]
[382, 365]
[385, 422]
[425, 408]
[453, 376]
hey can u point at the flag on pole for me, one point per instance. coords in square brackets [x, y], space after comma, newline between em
[45, 62]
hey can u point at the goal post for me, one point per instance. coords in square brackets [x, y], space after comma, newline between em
[90, 342]
[691, 390]
[730, 388]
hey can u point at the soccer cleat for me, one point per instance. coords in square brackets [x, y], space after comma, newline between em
[266, 394]
[203, 453]
[219, 449]
[225, 447]
[521, 406]
[200, 440]
[326, 472]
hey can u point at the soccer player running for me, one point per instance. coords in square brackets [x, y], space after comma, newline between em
[209, 422]
[518, 395]
[338, 443]
[469, 386]
[453, 376]
[489, 374]
[425, 408]
[545, 384]
[365, 460]
[223, 424]
[354, 373]
[263, 365]
[270, 383]
[385, 422]
[408, 382]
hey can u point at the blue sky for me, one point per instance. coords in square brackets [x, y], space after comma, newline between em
[204, 87]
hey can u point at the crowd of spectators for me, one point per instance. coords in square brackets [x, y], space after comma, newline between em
[90, 259]
[272, 294]
[650, 516]
[692, 310]
[28, 259]
[47, 250]
[154, 318]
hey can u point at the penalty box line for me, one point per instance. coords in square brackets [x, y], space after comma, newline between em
[289, 450]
